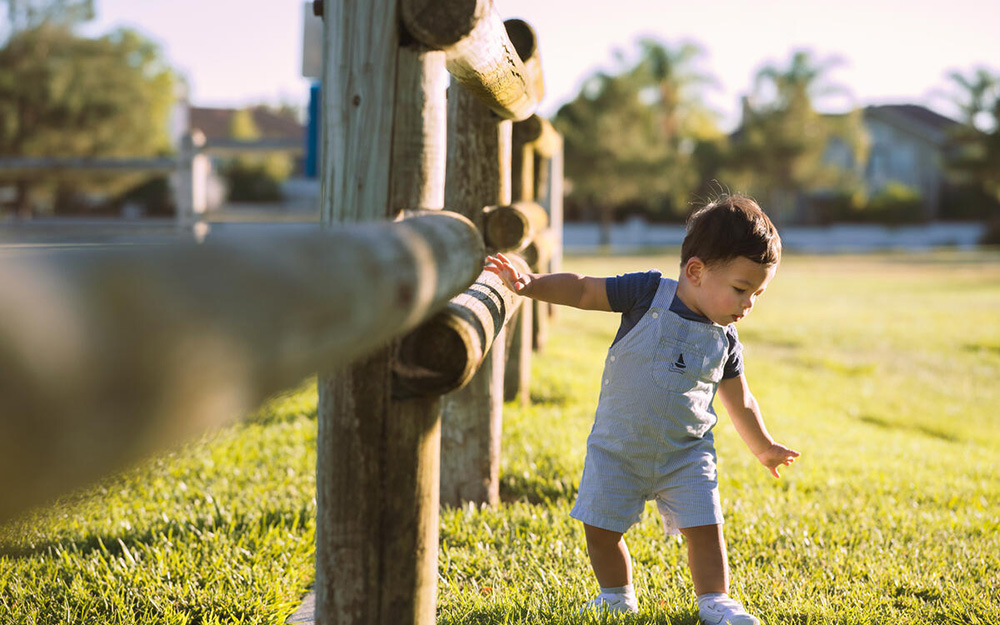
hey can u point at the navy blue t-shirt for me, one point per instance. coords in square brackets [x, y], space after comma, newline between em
[632, 294]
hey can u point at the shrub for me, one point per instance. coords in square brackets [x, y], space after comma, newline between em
[896, 203]
[250, 181]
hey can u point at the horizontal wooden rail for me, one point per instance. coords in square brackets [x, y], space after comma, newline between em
[240, 146]
[107, 355]
[522, 35]
[444, 352]
[538, 252]
[479, 52]
[540, 133]
[164, 164]
[53, 163]
[511, 228]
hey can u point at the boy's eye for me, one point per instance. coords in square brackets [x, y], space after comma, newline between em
[739, 290]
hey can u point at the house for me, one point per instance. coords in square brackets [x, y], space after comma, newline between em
[907, 145]
[215, 124]
[279, 133]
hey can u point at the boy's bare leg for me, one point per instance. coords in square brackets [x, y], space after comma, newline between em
[609, 557]
[707, 558]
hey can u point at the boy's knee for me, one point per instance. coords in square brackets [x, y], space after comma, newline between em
[600, 536]
[701, 534]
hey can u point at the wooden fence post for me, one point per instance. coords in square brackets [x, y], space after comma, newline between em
[478, 175]
[378, 458]
[187, 188]
[517, 376]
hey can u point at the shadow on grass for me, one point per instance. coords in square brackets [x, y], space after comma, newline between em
[535, 490]
[552, 399]
[910, 427]
[982, 348]
[563, 616]
[115, 544]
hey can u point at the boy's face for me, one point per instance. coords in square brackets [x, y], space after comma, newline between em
[727, 292]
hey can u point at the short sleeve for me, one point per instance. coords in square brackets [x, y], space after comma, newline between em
[734, 361]
[631, 294]
[628, 291]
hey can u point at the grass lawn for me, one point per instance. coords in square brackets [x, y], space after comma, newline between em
[884, 371]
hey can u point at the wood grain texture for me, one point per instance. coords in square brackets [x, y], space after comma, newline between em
[478, 175]
[480, 55]
[361, 43]
[419, 138]
[446, 351]
[511, 228]
[385, 137]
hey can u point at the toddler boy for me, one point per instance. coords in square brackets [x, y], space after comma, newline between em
[652, 437]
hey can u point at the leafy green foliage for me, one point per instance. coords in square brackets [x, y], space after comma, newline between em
[977, 157]
[781, 147]
[28, 14]
[629, 137]
[64, 95]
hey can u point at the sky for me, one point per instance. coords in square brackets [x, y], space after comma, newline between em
[242, 52]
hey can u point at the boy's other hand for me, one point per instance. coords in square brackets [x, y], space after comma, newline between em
[512, 278]
[775, 456]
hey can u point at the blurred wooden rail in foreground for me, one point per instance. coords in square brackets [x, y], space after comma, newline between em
[108, 355]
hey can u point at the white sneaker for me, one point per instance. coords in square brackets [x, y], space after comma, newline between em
[624, 604]
[725, 611]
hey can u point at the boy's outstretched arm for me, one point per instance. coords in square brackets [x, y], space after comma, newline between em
[567, 289]
[745, 413]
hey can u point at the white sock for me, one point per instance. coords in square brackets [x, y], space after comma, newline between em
[628, 590]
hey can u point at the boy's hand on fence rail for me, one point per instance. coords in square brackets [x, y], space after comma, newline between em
[512, 278]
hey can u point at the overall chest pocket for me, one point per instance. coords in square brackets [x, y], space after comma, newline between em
[680, 363]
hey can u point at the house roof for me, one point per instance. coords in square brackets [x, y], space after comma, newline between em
[215, 123]
[910, 117]
[918, 114]
[914, 118]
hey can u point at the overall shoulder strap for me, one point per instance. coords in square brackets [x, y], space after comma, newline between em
[665, 293]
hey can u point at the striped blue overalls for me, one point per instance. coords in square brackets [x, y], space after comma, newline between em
[652, 434]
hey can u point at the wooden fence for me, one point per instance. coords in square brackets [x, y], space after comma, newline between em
[189, 169]
[388, 441]
[109, 354]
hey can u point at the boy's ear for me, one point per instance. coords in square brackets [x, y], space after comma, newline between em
[694, 270]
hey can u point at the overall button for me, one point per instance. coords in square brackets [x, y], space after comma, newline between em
[655, 315]
[612, 359]
[606, 382]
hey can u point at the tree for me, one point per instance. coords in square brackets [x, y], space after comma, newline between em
[27, 14]
[64, 95]
[629, 136]
[977, 158]
[780, 149]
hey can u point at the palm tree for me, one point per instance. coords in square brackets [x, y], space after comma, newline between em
[670, 72]
[977, 158]
[781, 146]
[628, 136]
[802, 82]
[977, 96]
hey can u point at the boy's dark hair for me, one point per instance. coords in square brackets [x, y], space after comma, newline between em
[730, 227]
